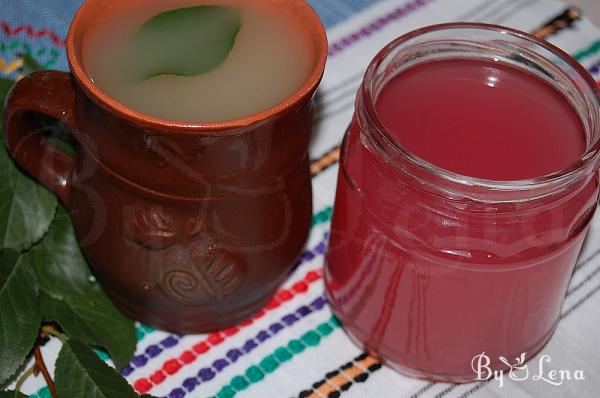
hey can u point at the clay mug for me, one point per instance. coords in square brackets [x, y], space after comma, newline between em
[188, 227]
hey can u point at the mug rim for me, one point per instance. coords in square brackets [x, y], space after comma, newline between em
[589, 158]
[318, 38]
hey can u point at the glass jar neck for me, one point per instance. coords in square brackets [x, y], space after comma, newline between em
[481, 42]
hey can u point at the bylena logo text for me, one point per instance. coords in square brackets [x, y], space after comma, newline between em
[520, 371]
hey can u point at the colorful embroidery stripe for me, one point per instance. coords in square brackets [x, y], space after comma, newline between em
[272, 362]
[43, 392]
[342, 379]
[14, 47]
[187, 357]
[209, 373]
[323, 216]
[6, 28]
[375, 26]
[588, 52]
[562, 21]
[327, 160]
[173, 365]
[154, 350]
[141, 331]
[595, 68]
[318, 250]
[9, 67]
[566, 20]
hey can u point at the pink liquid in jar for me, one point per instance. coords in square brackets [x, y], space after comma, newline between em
[426, 278]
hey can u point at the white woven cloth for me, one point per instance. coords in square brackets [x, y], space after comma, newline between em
[176, 366]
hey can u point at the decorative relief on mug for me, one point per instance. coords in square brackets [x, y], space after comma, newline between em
[151, 228]
[212, 279]
[204, 273]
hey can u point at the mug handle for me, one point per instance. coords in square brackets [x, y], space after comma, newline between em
[51, 93]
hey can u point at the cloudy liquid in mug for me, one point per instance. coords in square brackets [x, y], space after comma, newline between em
[270, 60]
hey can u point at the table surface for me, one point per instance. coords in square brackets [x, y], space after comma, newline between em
[244, 361]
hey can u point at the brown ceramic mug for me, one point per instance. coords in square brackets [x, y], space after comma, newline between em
[189, 227]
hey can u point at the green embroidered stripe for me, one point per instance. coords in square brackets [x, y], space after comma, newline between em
[591, 50]
[322, 217]
[103, 355]
[142, 331]
[270, 363]
[16, 46]
[42, 393]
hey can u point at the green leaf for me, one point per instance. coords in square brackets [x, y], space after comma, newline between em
[184, 41]
[26, 207]
[5, 85]
[96, 322]
[29, 64]
[80, 373]
[73, 298]
[20, 315]
[60, 266]
[12, 394]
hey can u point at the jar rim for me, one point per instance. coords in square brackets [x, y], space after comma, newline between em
[590, 159]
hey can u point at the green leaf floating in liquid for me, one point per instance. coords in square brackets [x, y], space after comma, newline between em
[184, 42]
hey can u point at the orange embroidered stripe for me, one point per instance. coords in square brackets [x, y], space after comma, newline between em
[9, 67]
[172, 366]
[342, 379]
[325, 161]
[562, 21]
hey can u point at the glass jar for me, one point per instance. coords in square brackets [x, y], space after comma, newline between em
[428, 268]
